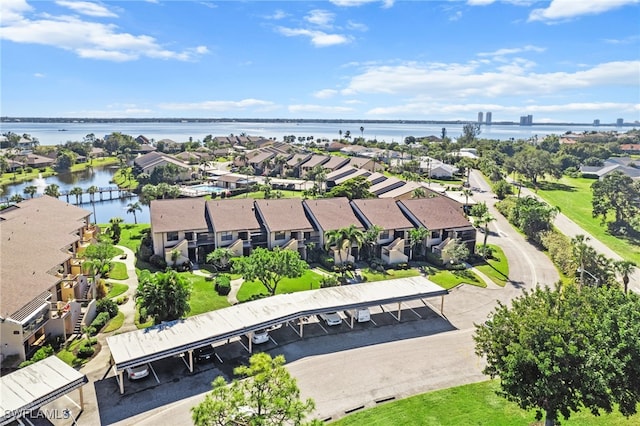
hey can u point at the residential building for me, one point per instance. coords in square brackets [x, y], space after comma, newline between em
[620, 122]
[330, 214]
[480, 117]
[445, 220]
[41, 277]
[286, 224]
[234, 225]
[148, 162]
[385, 213]
[488, 118]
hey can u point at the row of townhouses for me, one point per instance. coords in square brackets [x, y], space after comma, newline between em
[42, 285]
[195, 227]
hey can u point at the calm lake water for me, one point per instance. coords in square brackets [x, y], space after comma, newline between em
[105, 210]
[59, 133]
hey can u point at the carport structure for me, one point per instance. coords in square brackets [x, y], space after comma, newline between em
[25, 391]
[184, 336]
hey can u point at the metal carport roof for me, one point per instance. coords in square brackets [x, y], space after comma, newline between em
[175, 337]
[31, 387]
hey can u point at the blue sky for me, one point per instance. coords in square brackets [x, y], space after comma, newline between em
[559, 60]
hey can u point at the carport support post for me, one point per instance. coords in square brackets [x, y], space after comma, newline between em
[442, 305]
[81, 398]
[301, 328]
[121, 381]
[250, 336]
[353, 315]
[399, 310]
[191, 361]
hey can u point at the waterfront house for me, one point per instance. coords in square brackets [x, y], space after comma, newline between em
[234, 225]
[148, 162]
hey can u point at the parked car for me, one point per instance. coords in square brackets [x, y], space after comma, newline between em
[361, 314]
[138, 372]
[331, 318]
[205, 353]
[260, 336]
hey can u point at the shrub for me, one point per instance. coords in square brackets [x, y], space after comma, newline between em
[108, 306]
[144, 252]
[223, 284]
[329, 281]
[85, 351]
[100, 321]
[157, 261]
[39, 355]
[502, 188]
[122, 300]
[401, 265]
[328, 262]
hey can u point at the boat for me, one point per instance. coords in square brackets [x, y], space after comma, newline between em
[62, 130]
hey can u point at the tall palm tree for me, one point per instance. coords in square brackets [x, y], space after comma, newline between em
[416, 239]
[132, 208]
[52, 190]
[371, 239]
[92, 192]
[581, 250]
[94, 267]
[484, 220]
[467, 193]
[624, 268]
[30, 190]
[344, 239]
[77, 191]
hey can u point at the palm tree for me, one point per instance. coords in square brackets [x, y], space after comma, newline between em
[92, 191]
[77, 191]
[94, 267]
[16, 198]
[580, 252]
[344, 239]
[279, 162]
[624, 268]
[416, 239]
[484, 220]
[419, 193]
[467, 193]
[30, 190]
[132, 208]
[371, 239]
[52, 190]
[220, 257]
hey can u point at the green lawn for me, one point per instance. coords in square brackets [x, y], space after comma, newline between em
[10, 178]
[497, 268]
[131, 235]
[118, 271]
[474, 404]
[68, 354]
[449, 279]
[310, 280]
[204, 297]
[389, 274]
[573, 196]
[116, 289]
[115, 323]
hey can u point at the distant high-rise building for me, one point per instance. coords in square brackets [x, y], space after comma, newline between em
[619, 122]
[488, 118]
[526, 120]
[480, 117]
[596, 122]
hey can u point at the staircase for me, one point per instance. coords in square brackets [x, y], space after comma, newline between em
[77, 328]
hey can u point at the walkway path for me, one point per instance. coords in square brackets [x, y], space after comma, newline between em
[235, 286]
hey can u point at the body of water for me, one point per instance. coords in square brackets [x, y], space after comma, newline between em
[59, 133]
[99, 177]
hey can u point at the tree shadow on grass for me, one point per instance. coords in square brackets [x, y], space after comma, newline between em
[555, 186]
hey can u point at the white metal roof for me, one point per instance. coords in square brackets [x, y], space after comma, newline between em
[33, 386]
[175, 337]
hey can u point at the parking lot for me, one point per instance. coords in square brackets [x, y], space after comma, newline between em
[170, 379]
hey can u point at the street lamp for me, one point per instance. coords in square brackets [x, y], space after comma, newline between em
[583, 271]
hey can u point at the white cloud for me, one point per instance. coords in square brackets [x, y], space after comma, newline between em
[512, 51]
[357, 26]
[320, 18]
[38, 75]
[479, 2]
[217, 105]
[456, 16]
[450, 81]
[277, 15]
[85, 38]
[567, 9]
[325, 93]
[87, 8]
[318, 38]
[354, 3]
[319, 109]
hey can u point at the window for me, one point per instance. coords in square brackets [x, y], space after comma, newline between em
[226, 236]
[435, 234]
[172, 236]
[189, 236]
[384, 235]
[279, 235]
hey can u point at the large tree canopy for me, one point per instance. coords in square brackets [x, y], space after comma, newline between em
[354, 188]
[268, 395]
[618, 193]
[163, 295]
[560, 350]
[270, 266]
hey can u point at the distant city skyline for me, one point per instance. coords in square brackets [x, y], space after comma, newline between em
[559, 61]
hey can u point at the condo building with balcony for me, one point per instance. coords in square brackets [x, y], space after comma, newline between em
[42, 285]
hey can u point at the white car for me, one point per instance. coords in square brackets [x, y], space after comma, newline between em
[331, 318]
[138, 372]
[260, 336]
